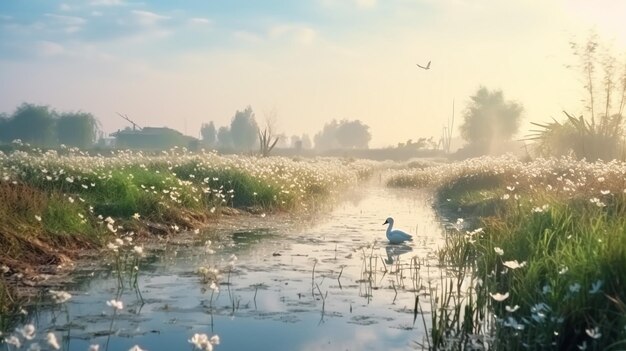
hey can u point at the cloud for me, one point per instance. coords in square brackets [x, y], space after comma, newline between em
[107, 3]
[49, 48]
[67, 20]
[247, 36]
[199, 21]
[365, 4]
[360, 4]
[65, 7]
[71, 24]
[296, 33]
[147, 18]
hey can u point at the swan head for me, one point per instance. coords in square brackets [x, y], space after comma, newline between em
[389, 220]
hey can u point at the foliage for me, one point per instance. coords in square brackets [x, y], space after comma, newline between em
[244, 130]
[77, 129]
[600, 133]
[490, 120]
[343, 134]
[224, 138]
[548, 256]
[209, 134]
[42, 126]
[34, 124]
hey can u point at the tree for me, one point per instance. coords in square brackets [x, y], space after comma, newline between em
[4, 127]
[306, 141]
[353, 135]
[268, 138]
[244, 130]
[33, 124]
[77, 129]
[295, 142]
[224, 139]
[209, 134]
[490, 120]
[343, 134]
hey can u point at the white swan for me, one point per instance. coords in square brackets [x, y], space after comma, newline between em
[396, 236]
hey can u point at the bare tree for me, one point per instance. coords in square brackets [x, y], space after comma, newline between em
[267, 137]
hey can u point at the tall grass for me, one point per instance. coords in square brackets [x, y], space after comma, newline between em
[550, 252]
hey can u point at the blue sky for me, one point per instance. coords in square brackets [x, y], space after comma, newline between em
[184, 63]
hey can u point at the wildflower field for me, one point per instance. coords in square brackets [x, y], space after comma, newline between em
[541, 248]
[55, 202]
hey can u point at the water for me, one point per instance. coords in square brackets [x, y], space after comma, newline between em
[333, 284]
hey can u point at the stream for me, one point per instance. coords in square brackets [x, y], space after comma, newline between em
[330, 284]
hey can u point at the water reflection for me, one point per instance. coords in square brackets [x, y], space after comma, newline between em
[394, 251]
[334, 285]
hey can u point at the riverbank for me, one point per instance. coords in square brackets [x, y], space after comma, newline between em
[53, 206]
[546, 249]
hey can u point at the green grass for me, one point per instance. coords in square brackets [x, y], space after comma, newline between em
[565, 223]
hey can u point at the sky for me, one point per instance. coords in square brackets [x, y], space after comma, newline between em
[183, 63]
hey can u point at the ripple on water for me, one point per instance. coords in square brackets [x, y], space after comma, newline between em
[272, 292]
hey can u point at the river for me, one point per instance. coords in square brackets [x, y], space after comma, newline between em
[329, 284]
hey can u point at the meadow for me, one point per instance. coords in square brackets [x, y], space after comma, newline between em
[55, 203]
[533, 256]
[540, 251]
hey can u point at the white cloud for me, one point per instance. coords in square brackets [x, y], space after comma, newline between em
[65, 7]
[67, 20]
[49, 48]
[296, 33]
[147, 18]
[365, 4]
[246, 36]
[200, 21]
[96, 13]
[360, 4]
[107, 2]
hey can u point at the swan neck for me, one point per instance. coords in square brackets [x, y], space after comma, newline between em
[389, 227]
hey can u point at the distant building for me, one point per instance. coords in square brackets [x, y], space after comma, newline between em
[151, 138]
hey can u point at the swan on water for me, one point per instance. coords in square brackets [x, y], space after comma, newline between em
[396, 236]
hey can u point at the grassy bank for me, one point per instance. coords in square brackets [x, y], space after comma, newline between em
[53, 203]
[546, 250]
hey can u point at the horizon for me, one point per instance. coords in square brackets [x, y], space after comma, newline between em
[311, 62]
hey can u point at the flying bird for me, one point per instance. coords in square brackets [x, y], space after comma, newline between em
[424, 67]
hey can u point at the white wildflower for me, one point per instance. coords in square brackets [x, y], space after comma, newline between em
[594, 333]
[499, 297]
[52, 341]
[116, 304]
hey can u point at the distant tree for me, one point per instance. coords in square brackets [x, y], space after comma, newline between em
[268, 138]
[295, 142]
[306, 141]
[4, 128]
[353, 135]
[78, 129]
[490, 120]
[224, 139]
[343, 134]
[244, 130]
[33, 124]
[209, 134]
[283, 141]
[326, 139]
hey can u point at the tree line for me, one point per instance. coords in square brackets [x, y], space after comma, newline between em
[42, 126]
[243, 134]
